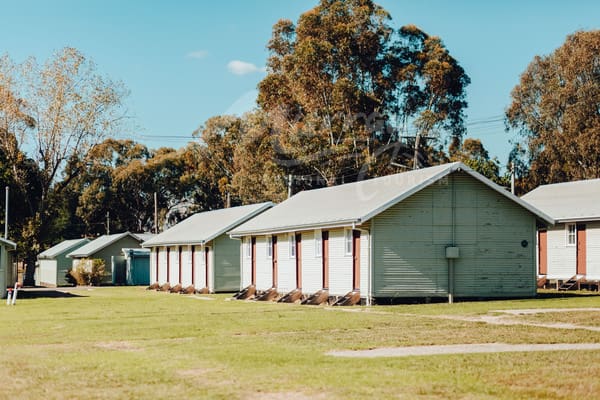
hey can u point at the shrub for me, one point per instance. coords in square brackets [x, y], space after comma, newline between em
[98, 269]
[81, 275]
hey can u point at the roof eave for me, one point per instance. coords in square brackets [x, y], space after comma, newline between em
[181, 243]
[578, 219]
[296, 228]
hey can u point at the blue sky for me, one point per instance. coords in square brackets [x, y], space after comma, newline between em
[185, 61]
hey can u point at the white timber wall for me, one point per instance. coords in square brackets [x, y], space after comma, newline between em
[200, 268]
[312, 265]
[162, 265]
[340, 265]
[264, 265]
[286, 276]
[173, 278]
[562, 258]
[186, 267]
[593, 250]
[153, 276]
[365, 257]
[246, 262]
[48, 273]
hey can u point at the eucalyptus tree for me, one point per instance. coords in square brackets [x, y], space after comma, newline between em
[556, 111]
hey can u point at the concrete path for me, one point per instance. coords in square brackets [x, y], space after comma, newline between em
[461, 349]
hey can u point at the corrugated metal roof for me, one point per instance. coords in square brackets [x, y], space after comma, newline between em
[205, 226]
[8, 243]
[144, 236]
[99, 243]
[62, 247]
[569, 201]
[358, 202]
[135, 252]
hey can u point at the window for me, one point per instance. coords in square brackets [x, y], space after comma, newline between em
[247, 248]
[269, 246]
[348, 242]
[318, 244]
[292, 241]
[571, 234]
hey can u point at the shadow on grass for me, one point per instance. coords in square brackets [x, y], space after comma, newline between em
[555, 294]
[46, 293]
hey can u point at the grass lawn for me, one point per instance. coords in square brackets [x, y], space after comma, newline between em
[130, 343]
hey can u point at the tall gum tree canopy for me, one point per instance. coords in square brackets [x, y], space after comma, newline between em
[556, 110]
[343, 84]
[54, 110]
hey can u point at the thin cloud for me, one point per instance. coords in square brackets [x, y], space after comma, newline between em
[197, 54]
[238, 67]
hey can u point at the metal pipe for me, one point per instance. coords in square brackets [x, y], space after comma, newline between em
[14, 297]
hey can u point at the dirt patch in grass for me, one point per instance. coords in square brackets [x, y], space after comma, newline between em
[553, 318]
[291, 396]
[462, 349]
[118, 346]
[194, 373]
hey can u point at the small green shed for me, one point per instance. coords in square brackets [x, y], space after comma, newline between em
[106, 248]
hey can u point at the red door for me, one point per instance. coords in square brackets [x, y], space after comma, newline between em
[325, 254]
[180, 262]
[299, 260]
[274, 255]
[206, 262]
[157, 251]
[581, 250]
[168, 262]
[193, 255]
[543, 252]
[356, 259]
[253, 261]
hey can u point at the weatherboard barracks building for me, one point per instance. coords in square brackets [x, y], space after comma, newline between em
[443, 231]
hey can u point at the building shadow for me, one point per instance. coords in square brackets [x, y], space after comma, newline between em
[46, 293]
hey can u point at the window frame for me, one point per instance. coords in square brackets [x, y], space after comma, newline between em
[571, 234]
[318, 243]
[248, 247]
[348, 242]
[269, 247]
[292, 244]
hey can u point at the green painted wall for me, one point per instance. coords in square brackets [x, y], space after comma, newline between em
[410, 240]
[226, 264]
[64, 264]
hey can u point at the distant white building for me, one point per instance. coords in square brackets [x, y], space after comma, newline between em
[571, 248]
[197, 251]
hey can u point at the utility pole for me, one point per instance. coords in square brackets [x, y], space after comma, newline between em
[416, 155]
[228, 202]
[6, 215]
[512, 177]
[108, 222]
